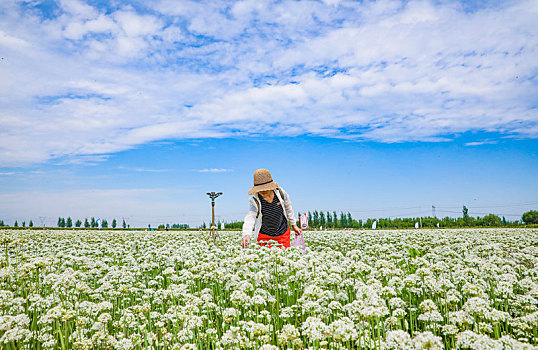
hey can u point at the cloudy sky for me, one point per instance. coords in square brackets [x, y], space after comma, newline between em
[382, 108]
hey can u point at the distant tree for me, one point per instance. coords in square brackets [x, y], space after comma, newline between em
[343, 219]
[78, 223]
[59, 222]
[503, 221]
[467, 220]
[24, 224]
[168, 225]
[491, 220]
[350, 222]
[530, 217]
[203, 225]
[104, 224]
[69, 222]
[86, 223]
[93, 222]
[124, 224]
[114, 223]
[329, 220]
[238, 225]
[16, 224]
[2, 223]
[322, 219]
[315, 218]
[309, 218]
[149, 225]
[30, 224]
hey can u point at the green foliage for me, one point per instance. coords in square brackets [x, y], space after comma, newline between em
[114, 223]
[467, 220]
[2, 223]
[16, 224]
[86, 223]
[93, 223]
[236, 225]
[184, 226]
[491, 220]
[104, 224]
[69, 222]
[329, 220]
[78, 223]
[343, 220]
[61, 222]
[124, 224]
[30, 224]
[530, 217]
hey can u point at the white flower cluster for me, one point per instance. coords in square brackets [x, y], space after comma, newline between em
[410, 289]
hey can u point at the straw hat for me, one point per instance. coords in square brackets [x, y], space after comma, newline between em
[263, 181]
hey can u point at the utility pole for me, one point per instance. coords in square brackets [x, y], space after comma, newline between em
[213, 232]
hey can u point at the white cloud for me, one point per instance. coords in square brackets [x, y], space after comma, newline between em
[214, 170]
[90, 82]
[479, 143]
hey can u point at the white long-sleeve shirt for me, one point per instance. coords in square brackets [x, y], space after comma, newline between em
[253, 220]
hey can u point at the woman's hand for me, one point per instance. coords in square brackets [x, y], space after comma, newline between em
[245, 241]
[297, 230]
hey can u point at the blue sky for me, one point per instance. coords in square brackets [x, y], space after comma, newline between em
[135, 110]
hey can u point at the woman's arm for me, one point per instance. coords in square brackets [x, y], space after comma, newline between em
[248, 223]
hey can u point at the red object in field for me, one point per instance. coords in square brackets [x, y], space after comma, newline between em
[283, 239]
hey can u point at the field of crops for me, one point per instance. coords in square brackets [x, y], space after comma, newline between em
[419, 289]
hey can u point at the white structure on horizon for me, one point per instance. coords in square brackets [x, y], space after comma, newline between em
[416, 225]
[374, 225]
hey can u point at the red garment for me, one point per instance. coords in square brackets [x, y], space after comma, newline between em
[283, 239]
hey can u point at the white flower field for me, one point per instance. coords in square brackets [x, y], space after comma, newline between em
[405, 289]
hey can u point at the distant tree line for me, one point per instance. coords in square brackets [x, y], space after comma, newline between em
[16, 224]
[235, 225]
[91, 223]
[326, 220]
[329, 220]
[174, 226]
[332, 220]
